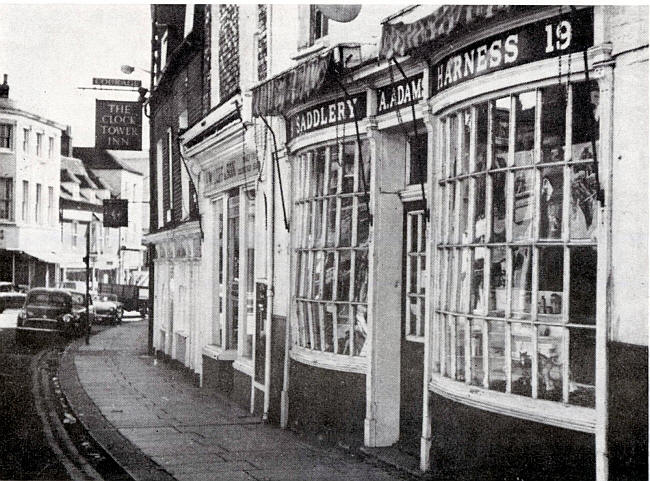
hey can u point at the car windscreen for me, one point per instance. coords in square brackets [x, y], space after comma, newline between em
[6, 288]
[107, 298]
[49, 298]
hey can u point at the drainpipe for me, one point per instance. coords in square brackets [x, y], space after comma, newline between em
[270, 242]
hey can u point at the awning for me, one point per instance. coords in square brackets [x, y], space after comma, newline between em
[296, 85]
[48, 256]
[399, 39]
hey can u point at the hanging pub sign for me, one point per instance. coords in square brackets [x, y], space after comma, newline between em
[560, 35]
[400, 94]
[116, 212]
[330, 113]
[118, 125]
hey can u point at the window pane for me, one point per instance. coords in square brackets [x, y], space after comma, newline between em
[551, 195]
[412, 313]
[521, 352]
[451, 222]
[361, 276]
[481, 137]
[308, 330]
[343, 329]
[316, 292]
[466, 132]
[586, 98]
[449, 326]
[363, 223]
[522, 217]
[549, 362]
[334, 170]
[315, 322]
[309, 228]
[343, 281]
[348, 167]
[477, 296]
[331, 222]
[496, 356]
[418, 158]
[299, 268]
[453, 146]
[464, 211]
[360, 330]
[582, 288]
[553, 123]
[582, 367]
[365, 159]
[328, 327]
[300, 317]
[499, 207]
[479, 209]
[500, 131]
[346, 222]
[551, 275]
[522, 281]
[329, 276]
[476, 350]
[318, 173]
[318, 222]
[497, 282]
[584, 204]
[524, 128]
[460, 349]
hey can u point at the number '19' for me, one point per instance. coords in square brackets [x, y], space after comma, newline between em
[562, 38]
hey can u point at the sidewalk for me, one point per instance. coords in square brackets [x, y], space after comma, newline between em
[159, 426]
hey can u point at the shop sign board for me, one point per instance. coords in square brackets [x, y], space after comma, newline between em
[400, 94]
[560, 35]
[232, 172]
[326, 114]
[117, 82]
[118, 125]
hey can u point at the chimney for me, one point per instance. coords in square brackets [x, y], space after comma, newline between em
[4, 89]
[66, 141]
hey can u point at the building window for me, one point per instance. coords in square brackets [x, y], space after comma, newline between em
[163, 50]
[50, 147]
[515, 308]
[6, 131]
[38, 206]
[331, 249]
[417, 166]
[26, 141]
[75, 233]
[39, 144]
[50, 205]
[416, 274]
[25, 206]
[170, 186]
[318, 24]
[159, 182]
[6, 198]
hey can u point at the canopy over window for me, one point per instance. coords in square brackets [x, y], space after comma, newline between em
[292, 86]
[399, 39]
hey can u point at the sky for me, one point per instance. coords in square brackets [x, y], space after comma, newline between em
[48, 50]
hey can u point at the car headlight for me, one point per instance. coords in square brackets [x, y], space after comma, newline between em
[67, 318]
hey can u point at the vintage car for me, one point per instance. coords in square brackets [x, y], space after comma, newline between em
[57, 311]
[108, 309]
[10, 296]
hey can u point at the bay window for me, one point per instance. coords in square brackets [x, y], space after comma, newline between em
[331, 249]
[6, 198]
[515, 308]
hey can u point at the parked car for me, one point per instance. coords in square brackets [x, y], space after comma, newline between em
[108, 308]
[58, 311]
[10, 296]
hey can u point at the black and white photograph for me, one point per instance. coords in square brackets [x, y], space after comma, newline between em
[324, 242]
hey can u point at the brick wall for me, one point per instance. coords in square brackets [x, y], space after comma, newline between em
[262, 42]
[228, 51]
[207, 56]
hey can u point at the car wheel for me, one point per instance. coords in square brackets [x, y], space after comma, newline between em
[21, 338]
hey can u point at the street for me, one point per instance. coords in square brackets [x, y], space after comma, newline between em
[24, 452]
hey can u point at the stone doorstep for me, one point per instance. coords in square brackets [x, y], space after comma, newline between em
[393, 458]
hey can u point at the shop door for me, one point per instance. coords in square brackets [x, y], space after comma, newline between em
[413, 303]
[232, 303]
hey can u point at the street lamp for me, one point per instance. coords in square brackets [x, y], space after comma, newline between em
[129, 69]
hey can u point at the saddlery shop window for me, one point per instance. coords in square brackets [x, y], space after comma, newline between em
[331, 249]
[516, 298]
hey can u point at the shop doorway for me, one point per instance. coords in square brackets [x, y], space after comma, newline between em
[414, 272]
[232, 303]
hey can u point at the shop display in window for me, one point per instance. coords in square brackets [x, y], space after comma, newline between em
[521, 275]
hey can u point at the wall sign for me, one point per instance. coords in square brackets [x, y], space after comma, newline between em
[118, 125]
[116, 212]
[559, 35]
[117, 82]
[327, 114]
[232, 172]
[400, 94]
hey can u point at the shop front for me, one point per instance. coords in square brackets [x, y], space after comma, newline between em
[522, 112]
